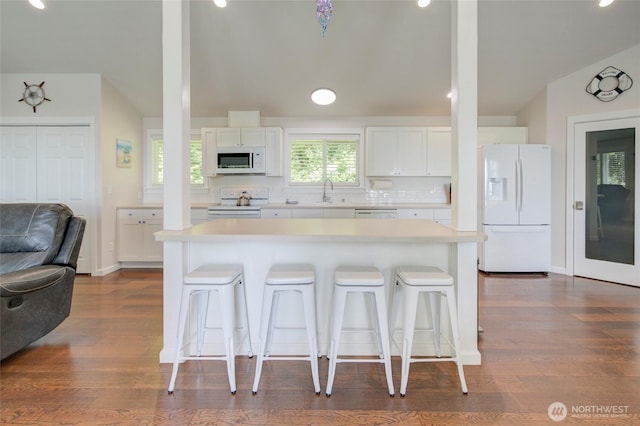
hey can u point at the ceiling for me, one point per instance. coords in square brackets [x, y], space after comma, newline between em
[383, 58]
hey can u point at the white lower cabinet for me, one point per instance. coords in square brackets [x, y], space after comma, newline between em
[442, 216]
[275, 213]
[136, 242]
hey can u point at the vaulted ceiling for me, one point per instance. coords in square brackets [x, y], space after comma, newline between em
[383, 58]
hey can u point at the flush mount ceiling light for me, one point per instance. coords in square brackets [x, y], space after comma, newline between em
[323, 96]
[424, 3]
[605, 3]
[220, 3]
[38, 4]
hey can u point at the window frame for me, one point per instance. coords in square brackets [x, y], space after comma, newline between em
[326, 134]
[153, 188]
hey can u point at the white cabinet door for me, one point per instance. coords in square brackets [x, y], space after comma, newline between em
[396, 151]
[151, 249]
[415, 214]
[307, 213]
[439, 151]
[275, 213]
[228, 136]
[129, 235]
[209, 152]
[381, 151]
[273, 151]
[252, 136]
[136, 242]
[412, 152]
[339, 213]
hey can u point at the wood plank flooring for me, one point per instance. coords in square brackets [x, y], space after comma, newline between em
[546, 339]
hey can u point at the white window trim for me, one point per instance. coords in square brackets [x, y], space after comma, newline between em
[295, 133]
[157, 190]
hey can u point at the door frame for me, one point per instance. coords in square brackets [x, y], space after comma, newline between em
[92, 225]
[572, 122]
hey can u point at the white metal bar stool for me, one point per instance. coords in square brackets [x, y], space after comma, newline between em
[359, 279]
[410, 283]
[226, 280]
[281, 278]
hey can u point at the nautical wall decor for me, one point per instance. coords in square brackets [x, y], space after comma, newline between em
[609, 83]
[33, 95]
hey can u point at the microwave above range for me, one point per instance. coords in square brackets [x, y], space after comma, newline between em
[240, 160]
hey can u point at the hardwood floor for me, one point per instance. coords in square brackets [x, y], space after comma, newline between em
[546, 339]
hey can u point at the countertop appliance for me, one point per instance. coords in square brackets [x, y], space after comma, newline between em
[228, 208]
[240, 160]
[376, 214]
[515, 207]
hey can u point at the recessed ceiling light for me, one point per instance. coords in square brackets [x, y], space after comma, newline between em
[38, 4]
[605, 3]
[220, 3]
[423, 3]
[450, 95]
[323, 96]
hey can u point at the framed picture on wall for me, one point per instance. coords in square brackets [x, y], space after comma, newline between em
[124, 157]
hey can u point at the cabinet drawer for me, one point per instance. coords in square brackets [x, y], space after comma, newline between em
[415, 213]
[275, 213]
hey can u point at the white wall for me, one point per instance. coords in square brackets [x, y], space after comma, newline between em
[567, 97]
[120, 186]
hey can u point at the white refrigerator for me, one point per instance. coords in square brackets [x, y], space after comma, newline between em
[515, 207]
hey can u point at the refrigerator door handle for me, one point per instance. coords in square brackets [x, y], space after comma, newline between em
[520, 185]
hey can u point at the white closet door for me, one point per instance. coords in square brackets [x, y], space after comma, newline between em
[18, 164]
[66, 175]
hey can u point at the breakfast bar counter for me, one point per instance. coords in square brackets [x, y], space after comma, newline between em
[325, 243]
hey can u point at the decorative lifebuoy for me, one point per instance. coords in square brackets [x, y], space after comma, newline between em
[606, 94]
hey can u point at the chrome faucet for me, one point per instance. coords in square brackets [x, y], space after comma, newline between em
[325, 197]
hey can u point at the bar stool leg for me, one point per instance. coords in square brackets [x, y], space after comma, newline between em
[239, 287]
[227, 311]
[434, 305]
[182, 322]
[396, 295]
[371, 300]
[310, 321]
[453, 314]
[267, 309]
[273, 313]
[383, 335]
[339, 298]
[202, 305]
[410, 305]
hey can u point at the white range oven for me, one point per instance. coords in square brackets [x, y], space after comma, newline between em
[227, 209]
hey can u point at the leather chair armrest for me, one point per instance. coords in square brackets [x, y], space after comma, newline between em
[32, 279]
[70, 249]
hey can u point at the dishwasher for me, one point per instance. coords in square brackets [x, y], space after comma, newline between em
[376, 213]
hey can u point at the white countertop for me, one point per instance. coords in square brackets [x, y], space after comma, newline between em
[361, 205]
[335, 230]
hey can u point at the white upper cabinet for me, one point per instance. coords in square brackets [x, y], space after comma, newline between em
[273, 151]
[209, 151]
[489, 135]
[240, 136]
[439, 151]
[396, 151]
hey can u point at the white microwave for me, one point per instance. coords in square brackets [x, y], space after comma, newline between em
[240, 160]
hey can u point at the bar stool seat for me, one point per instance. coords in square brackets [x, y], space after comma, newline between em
[410, 282]
[359, 279]
[281, 278]
[227, 280]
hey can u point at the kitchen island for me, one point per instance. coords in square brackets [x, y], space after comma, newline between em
[325, 243]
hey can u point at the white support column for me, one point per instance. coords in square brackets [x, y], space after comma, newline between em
[176, 86]
[464, 127]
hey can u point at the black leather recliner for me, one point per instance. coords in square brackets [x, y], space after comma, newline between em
[39, 248]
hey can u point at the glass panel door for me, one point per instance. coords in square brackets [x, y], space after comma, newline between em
[606, 232]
